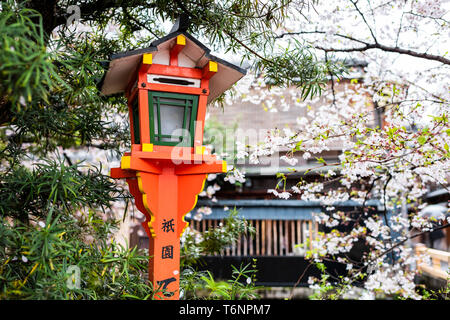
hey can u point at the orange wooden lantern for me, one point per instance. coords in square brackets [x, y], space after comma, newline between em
[168, 86]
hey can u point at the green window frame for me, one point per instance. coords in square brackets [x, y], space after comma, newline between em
[187, 104]
[135, 115]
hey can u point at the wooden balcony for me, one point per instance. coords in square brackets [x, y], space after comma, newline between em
[272, 238]
[434, 263]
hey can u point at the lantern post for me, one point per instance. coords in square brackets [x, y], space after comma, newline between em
[168, 86]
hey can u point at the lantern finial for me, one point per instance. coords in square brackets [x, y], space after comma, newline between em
[181, 24]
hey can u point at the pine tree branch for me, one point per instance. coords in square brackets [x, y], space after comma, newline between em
[230, 34]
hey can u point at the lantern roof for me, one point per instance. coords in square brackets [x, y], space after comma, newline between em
[122, 66]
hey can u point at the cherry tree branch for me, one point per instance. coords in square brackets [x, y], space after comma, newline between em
[422, 55]
[406, 239]
[398, 244]
[299, 279]
[368, 46]
[365, 21]
[428, 17]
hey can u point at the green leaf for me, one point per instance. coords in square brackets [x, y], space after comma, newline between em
[321, 160]
[422, 140]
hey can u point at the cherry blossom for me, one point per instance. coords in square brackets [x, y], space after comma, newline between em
[391, 122]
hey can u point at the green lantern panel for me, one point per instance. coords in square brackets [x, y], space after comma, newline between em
[172, 118]
[135, 115]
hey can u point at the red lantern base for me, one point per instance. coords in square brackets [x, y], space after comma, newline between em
[165, 192]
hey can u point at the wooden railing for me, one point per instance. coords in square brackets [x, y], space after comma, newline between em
[440, 262]
[272, 238]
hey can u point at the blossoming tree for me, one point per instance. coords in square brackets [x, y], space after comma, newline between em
[397, 161]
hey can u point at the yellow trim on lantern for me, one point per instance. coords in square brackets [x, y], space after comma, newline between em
[144, 201]
[195, 203]
[147, 147]
[150, 223]
[213, 66]
[125, 162]
[181, 40]
[200, 149]
[140, 186]
[147, 58]
[224, 166]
